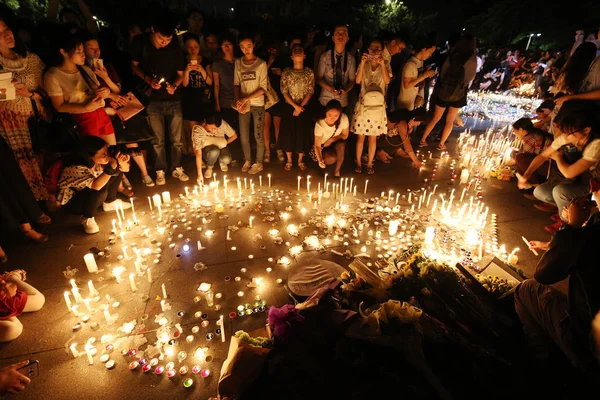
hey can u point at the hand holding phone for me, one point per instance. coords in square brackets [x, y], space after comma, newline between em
[31, 369]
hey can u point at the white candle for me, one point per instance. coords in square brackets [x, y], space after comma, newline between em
[93, 290]
[260, 180]
[409, 197]
[90, 263]
[390, 195]
[107, 315]
[114, 225]
[269, 180]
[89, 356]
[159, 211]
[199, 245]
[325, 181]
[87, 304]
[434, 206]
[157, 200]
[429, 198]
[299, 178]
[162, 305]
[222, 329]
[73, 348]
[366, 183]
[132, 282]
[464, 176]
[77, 295]
[187, 192]
[166, 196]
[393, 228]
[132, 208]
[73, 284]
[250, 221]
[354, 191]
[68, 300]
[149, 274]
[434, 188]
[228, 234]
[164, 291]
[245, 183]
[125, 255]
[138, 266]
[74, 310]
[463, 194]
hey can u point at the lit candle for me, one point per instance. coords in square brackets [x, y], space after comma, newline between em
[90, 358]
[74, 310]
[260, 180]
[164, 291]
[159, 211]
[366, 183]
[157, 200]
[87, 304]
[162, 305]
[77, 295]
[107, 315]
[250, 221]
[73, 284]
[187, 192]
[299, 178]
[222, 329]
[90, 263]
[149, 274]
[269, 180]
[132, 208]
[397, 197]
[125, 255]
[390, 195]
[325, 181]
[393, 228]
[73, 348]
[166, 196]
[68, 300]
[114, 225]
[93, 290]
[354, 190]
[245, 183]
[463, 194]
[132, 282]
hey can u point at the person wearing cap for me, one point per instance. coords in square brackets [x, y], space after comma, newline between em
[547, 314]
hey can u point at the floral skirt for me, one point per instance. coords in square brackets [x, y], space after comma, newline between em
[14, 129]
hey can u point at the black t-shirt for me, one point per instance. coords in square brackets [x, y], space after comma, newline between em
[160, 63]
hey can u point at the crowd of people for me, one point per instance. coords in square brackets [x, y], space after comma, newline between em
[88, 101]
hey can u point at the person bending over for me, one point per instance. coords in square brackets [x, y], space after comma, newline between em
[211, 141]
[331, 133]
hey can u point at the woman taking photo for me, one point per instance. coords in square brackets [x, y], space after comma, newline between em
[370, 118]
[331, 133]
[26, 69]
[196, 92]
[90, 179]
[297, 87]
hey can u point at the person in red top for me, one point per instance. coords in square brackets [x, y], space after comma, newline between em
[16, 297]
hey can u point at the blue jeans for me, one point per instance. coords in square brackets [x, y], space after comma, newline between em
[212, 153]
[258, 115]
[561, 194]
[161, 113]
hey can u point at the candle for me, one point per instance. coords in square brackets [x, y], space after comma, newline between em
[393, 228]
[159, 212]
[166, 196]
[107, 315]
[157, 200]
[199, 245]
[390, 195]
[117, 273]
[464, 176]
[245, 183]
[149, 274]
[77, 295]
[114, 225]
[73, 284]
[463, 194]
[409, 196]
[90, 263]
[434, 206]
[162, 305]
[93, 290]
[250, 221]
[269, 180]
[90, 358]
[87, 304]
[74, 310]
[228, 234]
[299, 178]
[366, 183]
[164, 291]
[73, 348]
[132, 208]
[125, 255]
[68, 300]
[435, 187]
[132, 282]
[260, 181]
[429, 198]
[222, 329]
[397, 197]
[325, 181]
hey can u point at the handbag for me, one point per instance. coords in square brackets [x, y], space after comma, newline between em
[271, 97]
[133, 107]
[59, 136]
[38, 129]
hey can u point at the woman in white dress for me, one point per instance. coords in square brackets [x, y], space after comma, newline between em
[369, 118]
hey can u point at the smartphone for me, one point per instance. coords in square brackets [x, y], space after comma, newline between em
[194, 62]
[31, 370]
[98, 63]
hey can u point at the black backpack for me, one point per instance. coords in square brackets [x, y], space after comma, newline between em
[452, 82]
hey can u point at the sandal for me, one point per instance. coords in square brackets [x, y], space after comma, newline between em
[441, 147]
[302, 166]
[44, 219]
[337, 174]
[385, 159]
[127, 192]
[370, 171]
[421, 144]
[288, 166]
[358, 169]
[39, 238]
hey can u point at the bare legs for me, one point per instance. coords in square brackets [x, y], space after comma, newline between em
[437, 115]
[360, 140]
[140, 160]
[12, 328]
[267, 133]
[450, 117]
[335, 157]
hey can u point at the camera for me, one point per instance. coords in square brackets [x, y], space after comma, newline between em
[130, 151]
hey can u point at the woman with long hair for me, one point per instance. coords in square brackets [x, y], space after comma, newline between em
[26, 69]
[450, 91]
[571, 75]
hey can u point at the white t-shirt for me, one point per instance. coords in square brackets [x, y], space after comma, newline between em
[406, 98]
[591, 81]
[202, 138]
[326, 132]
[251, 77]
[591, 152]
[71, 86]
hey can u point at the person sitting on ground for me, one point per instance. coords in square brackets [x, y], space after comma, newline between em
[331, 133]
[16, 297]
[90, 179]
[403, 122]
[535, 141]
[576, 152]
[543, 117]
[546, 313]
[211, 140]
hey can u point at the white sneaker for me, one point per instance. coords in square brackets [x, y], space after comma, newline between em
[113, 205]
[208, 173]
[224, 167]
[246, 166]
[179, 174]
[255, 169]
[90, 226]
[147, 181]
[160, 178]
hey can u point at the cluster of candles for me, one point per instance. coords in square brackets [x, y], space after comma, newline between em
[500, 108]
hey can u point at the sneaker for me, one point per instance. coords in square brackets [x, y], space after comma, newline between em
[267, 158]
[179, 174]
[126, 182]
[113, 205]
[246, 166]
[208, 173]
[160, 178]
[255, 169]
[90, 226]
[280, 155]
[224, 167]
[147, 181]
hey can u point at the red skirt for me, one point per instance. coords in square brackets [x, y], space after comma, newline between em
[12, 306]
[94, 123]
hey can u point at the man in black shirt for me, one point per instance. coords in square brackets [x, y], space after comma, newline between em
[158, 61]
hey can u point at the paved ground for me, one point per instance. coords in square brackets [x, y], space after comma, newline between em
[48, 333]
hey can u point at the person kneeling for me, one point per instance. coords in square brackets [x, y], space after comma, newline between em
[16, 297]
[211, 139]
[91, 178]
[331, 133]
[535, 142]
